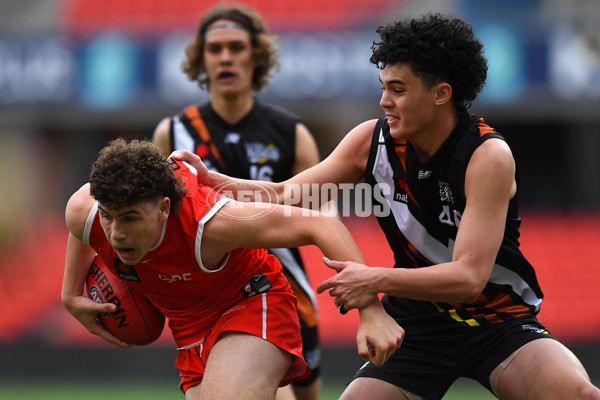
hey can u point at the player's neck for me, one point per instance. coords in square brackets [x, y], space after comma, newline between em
[232, 108]
[431, 139]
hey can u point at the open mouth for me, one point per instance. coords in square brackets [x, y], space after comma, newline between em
[391, 119]
[125, 251]
[226, 75]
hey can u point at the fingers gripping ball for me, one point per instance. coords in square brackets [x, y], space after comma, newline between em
[137, 321]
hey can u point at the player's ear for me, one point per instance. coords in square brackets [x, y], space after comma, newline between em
[443, 93]
[164, 207]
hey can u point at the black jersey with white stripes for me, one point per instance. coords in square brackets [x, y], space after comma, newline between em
[426, 201]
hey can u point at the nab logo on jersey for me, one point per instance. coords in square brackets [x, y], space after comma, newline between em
[400, 190]
[125, 271]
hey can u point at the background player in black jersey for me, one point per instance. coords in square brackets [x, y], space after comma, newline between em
[461, 288]
[232, 56]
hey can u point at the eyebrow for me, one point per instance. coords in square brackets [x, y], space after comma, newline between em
[393, 82]
[119, 215]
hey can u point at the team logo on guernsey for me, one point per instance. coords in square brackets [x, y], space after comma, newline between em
[446, 193]
[125, 271]
[259, 153]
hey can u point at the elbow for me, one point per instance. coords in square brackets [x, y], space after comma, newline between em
[471, 296]
[472, 289]
[66, 300]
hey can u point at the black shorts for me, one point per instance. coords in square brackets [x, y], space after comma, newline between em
[428, 362]
[311, 353]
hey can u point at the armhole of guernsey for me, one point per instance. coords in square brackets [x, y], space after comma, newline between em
[88, 223]
[203, 221]
[182, 140]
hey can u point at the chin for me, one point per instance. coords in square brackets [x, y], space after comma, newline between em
[130, 261]
[397, 134]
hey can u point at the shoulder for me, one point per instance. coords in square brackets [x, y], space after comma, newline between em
[473, 133]
[366, 129]
[354, 148]
[78, 209]
[160, 137]
[493, 151]
[492, 161]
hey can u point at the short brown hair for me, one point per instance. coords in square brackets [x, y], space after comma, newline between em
[126, 173]
[265, 53]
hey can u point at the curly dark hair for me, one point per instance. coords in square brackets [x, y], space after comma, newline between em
[126, 173]
[438, 49]
[264, 45]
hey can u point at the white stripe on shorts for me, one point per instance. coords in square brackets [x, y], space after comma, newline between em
[264, 321]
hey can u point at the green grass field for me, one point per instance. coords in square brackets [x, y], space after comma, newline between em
[102, 390]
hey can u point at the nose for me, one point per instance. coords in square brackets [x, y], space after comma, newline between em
[385, 101]
[225, 55]
[116, 231]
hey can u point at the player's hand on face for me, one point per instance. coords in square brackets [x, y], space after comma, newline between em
[194, 160]
[86, 312]
[352, 286]
[378, 335]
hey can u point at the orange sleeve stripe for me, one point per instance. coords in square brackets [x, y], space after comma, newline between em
[484, 128]
[195, 118]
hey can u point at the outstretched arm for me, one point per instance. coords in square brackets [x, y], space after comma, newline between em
[78, 259]
[254, 225]
[346, 164]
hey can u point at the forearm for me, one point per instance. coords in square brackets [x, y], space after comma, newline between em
[335, 241]
[448, 282]
[77, 262]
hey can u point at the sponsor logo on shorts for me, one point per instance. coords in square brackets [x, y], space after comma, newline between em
[534, 329]
[233, 309]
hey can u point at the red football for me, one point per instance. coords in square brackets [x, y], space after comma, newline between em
[137, 321]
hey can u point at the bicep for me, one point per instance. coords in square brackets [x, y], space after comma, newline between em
[489, 186]
[256, 225]
[79, 255]
[347, 162]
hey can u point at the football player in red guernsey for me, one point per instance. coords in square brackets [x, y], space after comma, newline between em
[200, 258]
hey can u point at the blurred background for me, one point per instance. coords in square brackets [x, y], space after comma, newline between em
[77, 73]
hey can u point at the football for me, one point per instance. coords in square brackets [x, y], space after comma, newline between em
[137, 321]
